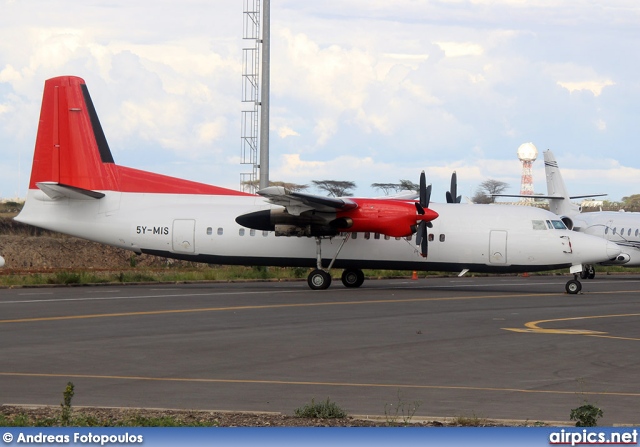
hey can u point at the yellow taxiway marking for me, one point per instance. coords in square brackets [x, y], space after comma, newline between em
[310, 383]
[268, 306]
[534, 327]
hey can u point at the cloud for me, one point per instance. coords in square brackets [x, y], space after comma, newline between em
[373, 90]
[460, 49]
[594, 87]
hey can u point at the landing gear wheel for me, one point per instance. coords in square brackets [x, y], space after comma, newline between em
[573, 286]
[352, 278]
[591, 272]
[319, 280]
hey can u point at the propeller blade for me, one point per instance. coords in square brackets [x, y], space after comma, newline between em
[419, 233]
[422, 238]
[454, 184]
[425, 197]
[423, 190]
[452, 194]
[449, 197]
[428, 197]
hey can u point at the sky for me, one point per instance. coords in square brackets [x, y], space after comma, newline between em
[368, 91]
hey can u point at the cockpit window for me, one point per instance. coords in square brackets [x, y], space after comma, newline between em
[539, 225]
[558, 225]
[549, 225]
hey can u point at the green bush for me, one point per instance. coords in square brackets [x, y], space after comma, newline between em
[324, 410]
[586, 415]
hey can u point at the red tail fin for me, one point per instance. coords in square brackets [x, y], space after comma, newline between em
[71, 148]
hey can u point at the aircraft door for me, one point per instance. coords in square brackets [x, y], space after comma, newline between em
[498, 247]
[184, 235]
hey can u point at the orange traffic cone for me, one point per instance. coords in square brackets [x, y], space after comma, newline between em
[414, 275]
[525, 275]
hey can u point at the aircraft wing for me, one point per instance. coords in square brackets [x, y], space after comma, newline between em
[536, 196]
[297, 202]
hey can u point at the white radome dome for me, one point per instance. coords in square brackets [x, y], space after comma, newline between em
[527, 152]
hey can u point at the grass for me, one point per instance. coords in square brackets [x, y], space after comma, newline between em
[81, 419]
[208, 273]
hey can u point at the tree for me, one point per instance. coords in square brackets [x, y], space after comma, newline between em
[385, 187]
[335, 188]
[486, 188]
[404, 185]
[288, 186]
[631, 203]
[408, 185]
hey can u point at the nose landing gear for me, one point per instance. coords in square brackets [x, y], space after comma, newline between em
[573, 286]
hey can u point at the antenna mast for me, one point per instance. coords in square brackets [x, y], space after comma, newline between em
[252, 85]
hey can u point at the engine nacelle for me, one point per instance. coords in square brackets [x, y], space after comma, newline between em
[285, 224]
[567, 221]
[622, 258]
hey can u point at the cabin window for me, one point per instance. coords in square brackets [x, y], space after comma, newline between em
[409, 238]
[376, 235]
[386, 238]
[538, 225]
[606, 230]
[430, 237]
[220, 231]
[614, 230]
[636, 233]
[252, 232]
[209, 231]
[622, 231]
[398, 238]
[354, 235]
[442, 238]
[241, 232]
[367, 235]
[265, 233]
[629, 232]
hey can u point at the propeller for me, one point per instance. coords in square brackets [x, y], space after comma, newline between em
[425, 196]
[452, 194]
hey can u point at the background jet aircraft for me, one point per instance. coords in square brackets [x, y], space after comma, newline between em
[620, 227]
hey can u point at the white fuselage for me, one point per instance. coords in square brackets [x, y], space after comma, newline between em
[616, 226]
[202, 228]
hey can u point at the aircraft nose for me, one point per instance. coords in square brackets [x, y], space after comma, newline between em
[613, 250]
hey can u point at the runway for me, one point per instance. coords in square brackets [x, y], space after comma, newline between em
[500, 347]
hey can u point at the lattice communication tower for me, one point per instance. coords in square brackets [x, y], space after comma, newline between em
[527, 153]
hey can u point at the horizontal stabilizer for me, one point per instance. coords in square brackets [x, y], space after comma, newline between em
[57, 191]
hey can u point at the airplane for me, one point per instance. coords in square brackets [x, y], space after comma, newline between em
[76, 188]
[620, 227]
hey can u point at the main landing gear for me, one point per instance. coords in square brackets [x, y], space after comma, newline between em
[588, 272]
[320, 279]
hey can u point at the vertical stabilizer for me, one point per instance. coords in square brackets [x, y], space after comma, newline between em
[71, 148]
[555, 187]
